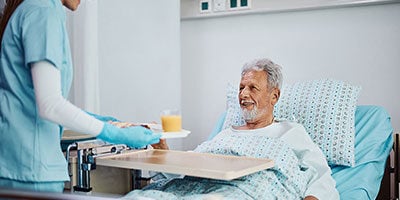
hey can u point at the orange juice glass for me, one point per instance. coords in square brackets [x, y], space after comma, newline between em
[171, 121]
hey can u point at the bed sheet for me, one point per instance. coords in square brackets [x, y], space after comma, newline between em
[373, 143]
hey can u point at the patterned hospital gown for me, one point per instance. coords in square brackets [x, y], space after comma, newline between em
[287, 180]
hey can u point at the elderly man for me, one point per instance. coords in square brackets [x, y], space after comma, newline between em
[300, 172]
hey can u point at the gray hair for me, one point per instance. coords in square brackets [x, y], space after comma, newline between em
[274, 74]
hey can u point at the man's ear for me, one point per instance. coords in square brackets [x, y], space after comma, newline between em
[275, 94]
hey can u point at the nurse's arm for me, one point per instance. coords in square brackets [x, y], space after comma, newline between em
[54, 107]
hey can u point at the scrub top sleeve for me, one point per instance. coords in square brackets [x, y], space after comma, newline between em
[43, 36]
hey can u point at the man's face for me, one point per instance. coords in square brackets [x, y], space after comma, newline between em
[255, 98]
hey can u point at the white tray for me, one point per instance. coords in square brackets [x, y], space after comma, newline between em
[157, 128]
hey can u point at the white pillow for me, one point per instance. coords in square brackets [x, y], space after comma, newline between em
[326, 109]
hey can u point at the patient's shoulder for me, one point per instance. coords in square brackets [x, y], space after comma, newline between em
[223, 132]
[289, 124]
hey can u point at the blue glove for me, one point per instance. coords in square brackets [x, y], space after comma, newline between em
[134, 136]
[103, 118]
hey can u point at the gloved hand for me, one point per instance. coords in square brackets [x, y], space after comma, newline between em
[135, 136]
[103, 118]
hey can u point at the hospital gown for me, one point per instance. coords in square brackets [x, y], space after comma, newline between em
[293, 176]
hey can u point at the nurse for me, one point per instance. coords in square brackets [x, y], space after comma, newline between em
[35, 78]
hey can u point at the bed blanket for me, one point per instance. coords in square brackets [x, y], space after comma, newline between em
[286, 180]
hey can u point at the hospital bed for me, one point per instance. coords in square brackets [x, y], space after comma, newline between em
[328, 102]
[373, 143]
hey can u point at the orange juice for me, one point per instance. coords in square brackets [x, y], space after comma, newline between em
[171, 123]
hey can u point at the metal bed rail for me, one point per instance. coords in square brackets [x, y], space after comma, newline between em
[390, 184]
[6, 193]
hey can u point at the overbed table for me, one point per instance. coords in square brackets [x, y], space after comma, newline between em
[204, 165]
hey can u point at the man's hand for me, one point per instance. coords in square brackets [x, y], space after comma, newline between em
[161, 145]
[310, 198]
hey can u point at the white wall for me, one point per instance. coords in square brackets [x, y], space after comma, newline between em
[83, 34]
[139, 58]
[360, 45]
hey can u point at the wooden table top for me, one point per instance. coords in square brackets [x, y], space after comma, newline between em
[206, 165]
[72, 135]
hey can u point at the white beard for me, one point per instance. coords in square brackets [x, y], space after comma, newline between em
[250, 115]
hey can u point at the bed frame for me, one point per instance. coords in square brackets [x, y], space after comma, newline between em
[390, 184]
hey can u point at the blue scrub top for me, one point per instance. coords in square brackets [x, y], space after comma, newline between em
[29, 145]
